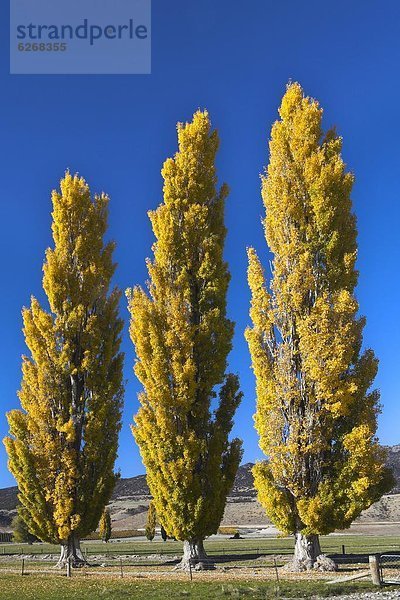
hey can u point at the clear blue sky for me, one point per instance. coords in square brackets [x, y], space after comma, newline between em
[233, 58]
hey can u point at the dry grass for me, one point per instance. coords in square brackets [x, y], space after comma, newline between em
[40, 587]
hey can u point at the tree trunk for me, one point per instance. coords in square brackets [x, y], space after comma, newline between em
[308, 555]
[71, 550]
[195, 556]
[306, 550]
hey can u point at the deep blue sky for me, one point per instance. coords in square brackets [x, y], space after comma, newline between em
[234, 59]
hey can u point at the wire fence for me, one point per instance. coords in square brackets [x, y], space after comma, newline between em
[111, 550]
[389, 566]
[130, 566]
[116, 547]
[384, 568]
[145, 559]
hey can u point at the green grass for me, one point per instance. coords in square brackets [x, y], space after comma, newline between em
[33, 587]
[354, 544]
[155, 580]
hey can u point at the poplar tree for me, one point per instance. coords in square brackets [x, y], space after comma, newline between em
[316, 416]
[182, 339]
[63, 443]
[151, 522]
[21, 533]
[163, 534]
[105, 525]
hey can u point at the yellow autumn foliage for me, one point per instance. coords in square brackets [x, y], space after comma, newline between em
[316, 416]
[63, 443]
[182, 338]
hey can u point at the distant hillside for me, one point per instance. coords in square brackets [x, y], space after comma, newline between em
[244, 484]
[132, 487]
[8, 502]
[131, 497]
[393, 461]
[8, 498]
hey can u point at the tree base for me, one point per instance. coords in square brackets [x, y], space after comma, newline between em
[71, 552]
[195, 557]
[308, 556]
[322, 563]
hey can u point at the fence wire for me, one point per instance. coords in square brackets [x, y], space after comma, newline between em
[389, 565]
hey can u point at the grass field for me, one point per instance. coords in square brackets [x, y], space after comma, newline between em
[33, 587]
[245, 569]
[332, 544]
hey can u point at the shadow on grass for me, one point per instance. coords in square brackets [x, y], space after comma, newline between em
[358, 558]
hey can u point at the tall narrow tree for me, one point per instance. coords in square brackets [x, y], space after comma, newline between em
[21, 533]
[182, 339]
[316, 417]
[151, 521]
[105, 525]
[63, 442]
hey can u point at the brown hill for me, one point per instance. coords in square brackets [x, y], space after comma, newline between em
[393, 461]
[131, 497]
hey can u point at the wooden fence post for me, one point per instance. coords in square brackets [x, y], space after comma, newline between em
[68, 567]
[23, 566]
[374, 568]
[276, 571]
